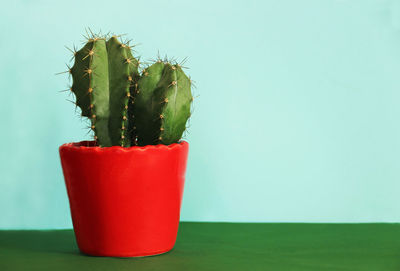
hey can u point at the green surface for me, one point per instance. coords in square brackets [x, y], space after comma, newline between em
[222, 246]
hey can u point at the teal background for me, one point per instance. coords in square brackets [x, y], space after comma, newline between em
[297, 118]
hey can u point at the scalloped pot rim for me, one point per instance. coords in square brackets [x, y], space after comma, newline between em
[88, 146]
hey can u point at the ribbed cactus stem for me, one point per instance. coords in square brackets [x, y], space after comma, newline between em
[146, 110]
[162, 105]
[91, 88]
[102, 75]
[175, 95]
[123, 69]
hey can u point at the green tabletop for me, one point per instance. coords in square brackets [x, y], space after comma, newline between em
[222, 246]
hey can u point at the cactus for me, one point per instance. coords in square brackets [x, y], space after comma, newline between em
[127, 108]
[123, 72]
[162, 104]
[102, 74]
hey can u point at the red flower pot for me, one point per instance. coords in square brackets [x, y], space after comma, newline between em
[125, 202]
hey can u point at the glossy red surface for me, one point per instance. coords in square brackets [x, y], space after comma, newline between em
[124, 202]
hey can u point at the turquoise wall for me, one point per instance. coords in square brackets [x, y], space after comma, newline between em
[297, 118]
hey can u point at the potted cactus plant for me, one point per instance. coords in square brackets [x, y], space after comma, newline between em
[125, 187]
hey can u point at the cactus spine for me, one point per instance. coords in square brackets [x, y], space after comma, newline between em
[124, 107]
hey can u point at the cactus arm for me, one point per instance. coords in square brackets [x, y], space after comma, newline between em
[146, 110]
[175, 95]
[123, 68]
[90, 85]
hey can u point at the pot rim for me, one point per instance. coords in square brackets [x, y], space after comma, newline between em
[88, 146]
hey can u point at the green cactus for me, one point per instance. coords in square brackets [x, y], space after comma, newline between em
[123, 72]
[102, 74]
[124, 107]
[162, 104]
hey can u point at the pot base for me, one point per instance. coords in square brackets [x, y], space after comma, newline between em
[128, 255]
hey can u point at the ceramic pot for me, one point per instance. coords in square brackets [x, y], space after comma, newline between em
[125, 202]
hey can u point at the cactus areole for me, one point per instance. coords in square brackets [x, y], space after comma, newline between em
[125, 186]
